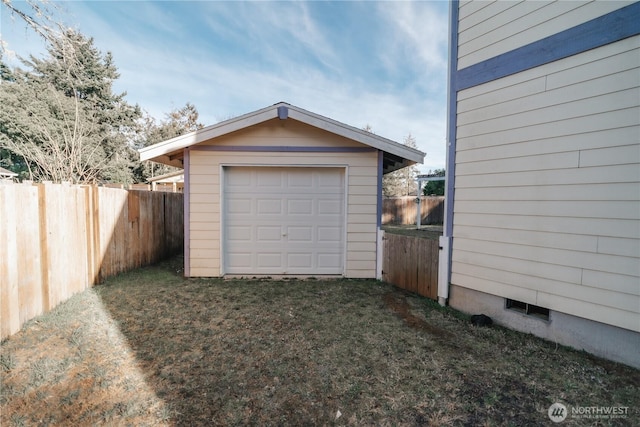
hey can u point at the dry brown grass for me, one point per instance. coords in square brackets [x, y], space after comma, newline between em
[151, 348]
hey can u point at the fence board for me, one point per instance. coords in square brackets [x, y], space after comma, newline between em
[42, 231]
[90, 230]
[57, 240]
[402, 210]
[28, 253]
[9, 297]
[411, 263]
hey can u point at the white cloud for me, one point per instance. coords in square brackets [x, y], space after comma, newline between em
[276, 33]
[242, 57]
[420, 30]
[221, 90]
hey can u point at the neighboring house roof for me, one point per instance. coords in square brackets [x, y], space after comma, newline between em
[177, 176]
[396, 155]
[7, 173]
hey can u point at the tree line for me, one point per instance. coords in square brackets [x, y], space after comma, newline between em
[61, 119]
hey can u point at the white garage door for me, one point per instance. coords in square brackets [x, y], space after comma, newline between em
[283, 220]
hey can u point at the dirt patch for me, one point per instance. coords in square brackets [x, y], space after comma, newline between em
[398, 304]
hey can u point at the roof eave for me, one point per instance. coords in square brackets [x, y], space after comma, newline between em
[166, 176]
[219, 129]
[359, 135]
[170, 151]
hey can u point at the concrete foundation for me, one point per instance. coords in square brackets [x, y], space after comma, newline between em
[609, 342]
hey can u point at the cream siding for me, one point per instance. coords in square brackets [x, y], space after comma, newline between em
[547, 207]
[488, 30]
[205, 183]
[277, 132]
[559, 73]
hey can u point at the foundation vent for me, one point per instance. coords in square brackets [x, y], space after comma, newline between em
[528, 309]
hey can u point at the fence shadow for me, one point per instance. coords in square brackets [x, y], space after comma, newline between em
[58, 240]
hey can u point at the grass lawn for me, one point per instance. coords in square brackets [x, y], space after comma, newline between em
[151, 348]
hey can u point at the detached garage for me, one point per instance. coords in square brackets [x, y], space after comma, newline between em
[282, 191]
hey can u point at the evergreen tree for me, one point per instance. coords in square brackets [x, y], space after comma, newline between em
[434, 187]
[178, 122]
[62, 117]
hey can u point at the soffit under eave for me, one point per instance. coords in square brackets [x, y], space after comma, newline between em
[173, 159]
[390, 162]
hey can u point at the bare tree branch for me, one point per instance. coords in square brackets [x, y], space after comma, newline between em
[40, 20]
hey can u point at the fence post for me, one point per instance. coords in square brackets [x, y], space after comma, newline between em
[96, 234]
[380, 254]
[44, 251]
[91, 249]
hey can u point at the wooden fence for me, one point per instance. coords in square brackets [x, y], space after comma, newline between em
[57, 240]
[411, 263]
[402, 210]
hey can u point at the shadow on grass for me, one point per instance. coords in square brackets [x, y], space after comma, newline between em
[346, 351]
[243, 352]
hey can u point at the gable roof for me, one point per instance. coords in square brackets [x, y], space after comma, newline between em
[170, 152]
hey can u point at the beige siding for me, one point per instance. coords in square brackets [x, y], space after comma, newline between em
[278, 132]
[206, 167]
[488, 29]
[548, 183]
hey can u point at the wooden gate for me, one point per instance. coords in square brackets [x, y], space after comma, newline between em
[411, 263]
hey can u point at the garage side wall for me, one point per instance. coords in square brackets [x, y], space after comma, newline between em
[206, 162]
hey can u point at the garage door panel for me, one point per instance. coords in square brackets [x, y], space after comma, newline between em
[239, 260]
[300, 260]
[239, 234]
[240, 206]
[269, 206]
[269, 260]
[330, 234]
[299, 179]
[268, 234]
[267, 180]
[284, 220]
[300, 207]
[330, 207]
[326, 260]
[302, 234]
[238, 181]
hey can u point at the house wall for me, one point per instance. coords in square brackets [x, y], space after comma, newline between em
[488, 29]
[205, 168]
[547, 171]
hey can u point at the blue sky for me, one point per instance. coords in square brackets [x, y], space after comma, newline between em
[359, 62]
